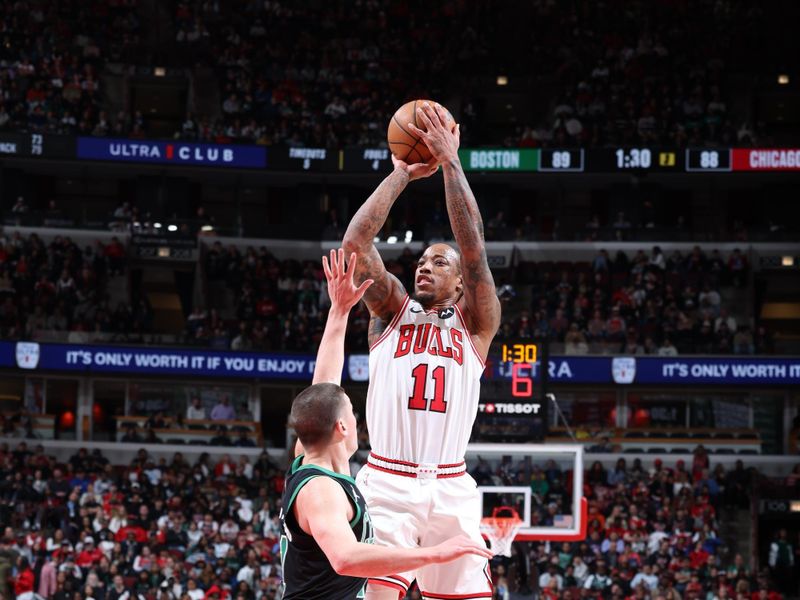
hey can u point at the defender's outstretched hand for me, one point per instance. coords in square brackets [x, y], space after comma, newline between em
[416, 170]
[440, 140]
[342, 290]
[459, 546]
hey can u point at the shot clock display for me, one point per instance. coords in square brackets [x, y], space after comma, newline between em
[510, 408]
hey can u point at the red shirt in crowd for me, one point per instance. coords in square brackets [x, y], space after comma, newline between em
[88, 556]
[139, 534]
[698, 558]
[24, 582]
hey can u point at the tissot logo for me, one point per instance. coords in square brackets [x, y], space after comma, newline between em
[510, 408]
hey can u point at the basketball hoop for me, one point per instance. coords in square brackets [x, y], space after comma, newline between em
[501, 530]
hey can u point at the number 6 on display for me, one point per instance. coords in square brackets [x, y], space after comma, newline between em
[521, 380]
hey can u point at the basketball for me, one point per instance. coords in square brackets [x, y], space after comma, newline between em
[402, 142]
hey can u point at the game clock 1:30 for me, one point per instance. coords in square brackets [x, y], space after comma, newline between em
[634, 158]
[518, 353]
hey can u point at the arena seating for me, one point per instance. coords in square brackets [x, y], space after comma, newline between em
[644, 303]
[60, 292]
[168, 526]
[598, 81]
[661, 440]
[54, 86]
[137, 429]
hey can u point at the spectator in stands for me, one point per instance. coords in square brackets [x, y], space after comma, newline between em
[743, 341]
[24, 581]
[20, 206]
[667, 348]
[223, 411]
[244, 440]
[575, 341]
[737, 267]
[726, 319]
[781, 561]
[221, 439]
[196, 411]
[603, 446]
[131, 436]
[551, 575]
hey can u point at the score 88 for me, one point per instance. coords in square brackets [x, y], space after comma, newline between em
[709, 159]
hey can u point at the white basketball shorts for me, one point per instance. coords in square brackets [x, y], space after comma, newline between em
[411, 509]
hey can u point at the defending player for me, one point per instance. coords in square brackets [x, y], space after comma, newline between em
[326, 548]
[427, 354]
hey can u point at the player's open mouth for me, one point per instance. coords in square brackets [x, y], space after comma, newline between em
[423, 279]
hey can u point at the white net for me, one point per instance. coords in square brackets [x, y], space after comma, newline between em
[500, 529]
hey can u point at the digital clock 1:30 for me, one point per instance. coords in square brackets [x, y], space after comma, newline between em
[634, 158]
[518, 353]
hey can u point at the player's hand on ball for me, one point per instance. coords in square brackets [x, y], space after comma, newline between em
[417, 170]
[438, 137]
[342, 290]
[459, 546]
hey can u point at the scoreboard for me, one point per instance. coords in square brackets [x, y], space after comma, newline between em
[628, 159]
[377, 160]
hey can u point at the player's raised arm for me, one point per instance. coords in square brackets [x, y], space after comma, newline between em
[483, 307]
[344, 295]
[324, 508]
[385, 296]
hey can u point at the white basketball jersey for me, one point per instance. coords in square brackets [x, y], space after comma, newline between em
[424, 383]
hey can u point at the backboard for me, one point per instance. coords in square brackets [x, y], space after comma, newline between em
[543, 482]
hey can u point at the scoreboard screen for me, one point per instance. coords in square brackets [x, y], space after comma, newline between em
[378, 160]
[632, 159]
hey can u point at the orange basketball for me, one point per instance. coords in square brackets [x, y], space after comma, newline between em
[402, 142]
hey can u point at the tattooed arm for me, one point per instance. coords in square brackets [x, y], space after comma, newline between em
[385, 296]
[480, 297]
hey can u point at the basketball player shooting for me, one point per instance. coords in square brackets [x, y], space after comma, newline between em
[326, 547]
[427, 354]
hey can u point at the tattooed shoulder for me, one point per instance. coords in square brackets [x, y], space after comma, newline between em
[377, 325]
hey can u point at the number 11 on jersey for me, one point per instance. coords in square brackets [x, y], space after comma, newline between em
[418, 401]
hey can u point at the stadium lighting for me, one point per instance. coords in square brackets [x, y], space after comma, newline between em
[207, 228]
[409, 236]
[783, 79]
[787, 261]
[392, 239]
[159, 71]
[376, 239]
[157, 225]
[502, 80]
[172, 228]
